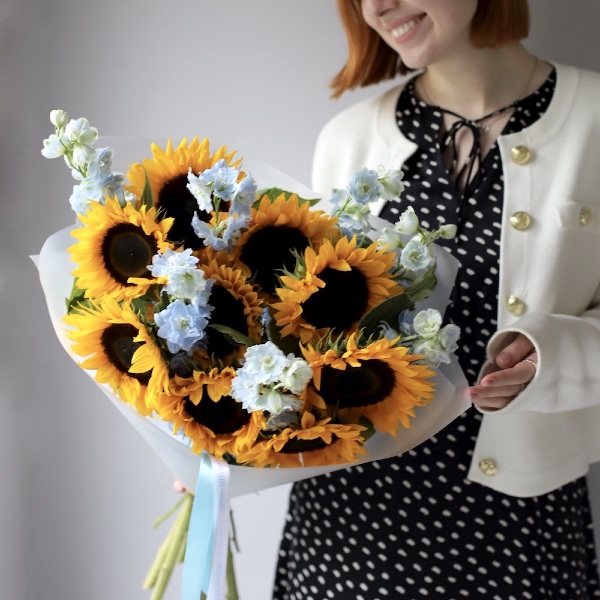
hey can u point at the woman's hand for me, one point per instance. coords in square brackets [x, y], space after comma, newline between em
[512, 372]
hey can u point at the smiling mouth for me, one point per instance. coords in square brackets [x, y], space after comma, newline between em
[406, 27]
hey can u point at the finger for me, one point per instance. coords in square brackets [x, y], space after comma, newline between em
[514, 352]
[492, 403]
[522, 372]
[503, 391]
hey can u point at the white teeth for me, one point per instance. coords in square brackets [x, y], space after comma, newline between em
[405, 27]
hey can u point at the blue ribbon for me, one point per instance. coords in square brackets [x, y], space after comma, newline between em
[200, 541]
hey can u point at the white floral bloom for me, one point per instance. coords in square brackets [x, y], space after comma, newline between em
[186, 283]
[427, 323]
[416, 256]
[263, 363]
[276, 402]
[296, 374]
[59, 118]
[389, 239]
[431, 350]
[80, 201]
[448, 337]
[391, 180]
[164, 263]
[201, 192]
[55, 146]
[408, 224]
[81, 137]
[447, 232]
[245, 391]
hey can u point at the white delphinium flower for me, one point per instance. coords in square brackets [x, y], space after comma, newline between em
[277, 402]
[408, 223]
[427, 323]
[163, 263]
[447, 232]
[59, 118]
[55, 146]
[448, 337]
[184, 279]
[391, 182]
[270, 381]
[201, 191]
[81, 137]
[295, 374]
[416, 256]
[437, 348]
[389, 239]
[264, 363]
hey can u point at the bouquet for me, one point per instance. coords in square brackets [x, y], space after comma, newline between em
[247, 331]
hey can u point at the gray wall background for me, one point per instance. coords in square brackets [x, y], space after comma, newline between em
[78, 488]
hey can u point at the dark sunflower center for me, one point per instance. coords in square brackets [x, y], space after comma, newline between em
[177, 202]
[368, 384]
[228, 311]
[224, 416]
[295, 445]
[342, 301]
[127, 251]
[269, 250]
[119, 347]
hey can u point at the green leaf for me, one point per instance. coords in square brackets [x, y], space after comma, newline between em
[147, 196]
[370, 428]
[274, 193]
[287, 344]
[77, 298]
[234, 336]
[388, 310]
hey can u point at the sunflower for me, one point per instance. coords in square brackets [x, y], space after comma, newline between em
[201, 407]
[336, 288]
[167, 173]
[117, 243]
[380, 381]
[316, 443]
[109, 335]
[278, 228]
[235, 303]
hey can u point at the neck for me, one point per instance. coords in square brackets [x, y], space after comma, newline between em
[482, 80]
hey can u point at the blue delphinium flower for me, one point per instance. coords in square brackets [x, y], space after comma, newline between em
[182, 324]
[354, 219]
[365, 187]
[222, 235]
[243, 197]
[222, 179]
[416, 256]
[163, 263]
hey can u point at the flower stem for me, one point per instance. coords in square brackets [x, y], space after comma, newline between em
[232, 591]
[172, 549]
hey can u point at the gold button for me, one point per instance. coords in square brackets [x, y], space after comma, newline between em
[585, 216]
[521, 155]
[488, 467]
[521, 221]
[515, 305]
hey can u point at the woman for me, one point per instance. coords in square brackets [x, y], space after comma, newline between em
[505, 146]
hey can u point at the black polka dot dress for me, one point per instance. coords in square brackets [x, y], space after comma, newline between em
[414, 526]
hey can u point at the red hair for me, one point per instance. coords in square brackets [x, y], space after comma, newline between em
[496, 23]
